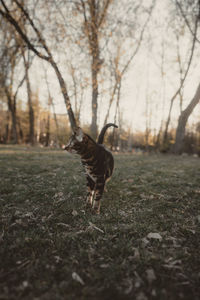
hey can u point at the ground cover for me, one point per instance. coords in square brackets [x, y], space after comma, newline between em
[144, 245]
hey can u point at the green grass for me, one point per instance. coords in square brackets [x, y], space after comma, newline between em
[47, 238]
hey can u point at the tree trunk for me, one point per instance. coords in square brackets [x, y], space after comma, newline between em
[47, 131]
[12, 109]
[111, 101]
[93, 126]
[21, 135]
[8, 15]
[183, 78]
[30, 105]
[95, 65]
[180, 131]
[14, 126]
[94, 18]
[7, 128]
[64, 92]
[56, 123]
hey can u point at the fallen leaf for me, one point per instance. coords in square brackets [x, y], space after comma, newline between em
[130, 180]
[154, 235]
[122, 213]
[143, 196]
[74, 213]
[104, 266]
[57, 258]
[150, 275]
[77, 278]
[25, 284]
[129, 193]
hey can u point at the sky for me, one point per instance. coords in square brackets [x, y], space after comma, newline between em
[144, 91]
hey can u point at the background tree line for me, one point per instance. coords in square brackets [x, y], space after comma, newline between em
[90, 46]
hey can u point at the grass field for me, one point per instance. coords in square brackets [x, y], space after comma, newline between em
[144, 245]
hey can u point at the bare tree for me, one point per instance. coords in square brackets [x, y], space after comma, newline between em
[6, 12]
[120, 65]
[178, 91]
[192, 6]
[94, 14]
[10, 58]
[78, 87]
[158, 141]
[185, 114]
[29, 96]
[51, 104]
[180, 131]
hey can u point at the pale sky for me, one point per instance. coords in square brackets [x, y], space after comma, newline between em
[141, 82]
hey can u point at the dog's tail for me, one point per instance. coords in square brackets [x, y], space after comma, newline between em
[103, 131]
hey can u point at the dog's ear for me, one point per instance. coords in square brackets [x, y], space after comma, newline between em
[79, 134]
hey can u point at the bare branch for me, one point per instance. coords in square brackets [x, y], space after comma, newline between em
[103, 15]
[12, 21]
[119, 75]
[40, 38]
[182, 82]
[7, 15]
[186, 21]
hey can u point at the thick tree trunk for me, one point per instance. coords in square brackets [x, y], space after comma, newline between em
[180, 131]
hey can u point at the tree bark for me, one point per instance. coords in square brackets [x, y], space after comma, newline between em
[119, 73]
[49, 58]
[165, 137]
[93, 21]
[14, 126]
[180, 131]
[12, 109]
[93, 126]
[30, 104]
[7, 128]
[95, 65]
[21, 135]
[47, 142]
[64, 92]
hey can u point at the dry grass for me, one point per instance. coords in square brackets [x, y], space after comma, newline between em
[144, 245]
